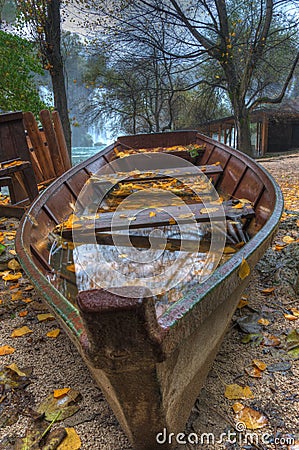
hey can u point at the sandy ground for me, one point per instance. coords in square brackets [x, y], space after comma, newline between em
[54, 363]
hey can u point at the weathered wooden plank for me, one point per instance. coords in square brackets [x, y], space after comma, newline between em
[147, 175]
[40, 149]
[51, 139]
[170, 215]
[61, 140]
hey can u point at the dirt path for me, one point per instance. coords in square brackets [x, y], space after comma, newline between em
[53, 363]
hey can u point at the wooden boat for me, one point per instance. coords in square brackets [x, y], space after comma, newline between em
[151, 367]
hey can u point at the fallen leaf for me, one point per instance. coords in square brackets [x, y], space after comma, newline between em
[16, 296]
[244, 270]
[263, 321]
[290, 317]
[15, 368]
[208, 210]
[27, 300]
[44, 317]
[53, 333]
[18, 332]
[12, 252]
[271, 340]
[62, 407]
[71, 442]
[6, 350]
[71, 268]
[268, 290]
[29, 287]
[288, 239]
[228, 250]
[243, 302]
[235, 392]
[237, 407]
[254, 372]
[282, 366]
[60, 392]
[23, 313]
[13, 264]
[251, 418]
[12, 277]
[295, 312]
[255, 338]
[259, 364]
[152, 214]
[172, 221]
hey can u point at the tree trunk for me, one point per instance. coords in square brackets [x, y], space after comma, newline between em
[52, 52]
[244, 134]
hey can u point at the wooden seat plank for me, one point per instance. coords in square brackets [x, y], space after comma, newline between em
[140, 176]
[170, 215]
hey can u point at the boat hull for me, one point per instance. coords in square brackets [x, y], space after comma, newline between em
[151, 370]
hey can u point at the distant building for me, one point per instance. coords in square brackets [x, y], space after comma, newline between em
[272, 130]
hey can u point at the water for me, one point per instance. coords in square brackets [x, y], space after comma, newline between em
[80, 154]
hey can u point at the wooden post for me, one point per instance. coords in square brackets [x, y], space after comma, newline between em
[265, 130]
[61, 140]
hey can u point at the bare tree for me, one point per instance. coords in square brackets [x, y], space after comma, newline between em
[238, 40]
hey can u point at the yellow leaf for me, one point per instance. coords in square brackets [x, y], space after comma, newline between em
[12, 252]
[208, 210]
[172, 221]
[237, 407]
[131, 219]
[13, 264]
[71, 268]
[238, 206]
[186, 216]
[16, 296]
[263, 321]
[254, 372]
[268, 290]
[15, 368]
[72, 440]
[6, 350]
[228, 250]
[288, 239]
[122, 255]
[60, 392]
[251, 418]
[27, 300]
[259, 364]
[53, 333]
[290, 317]
[12, 277]
[244, 270]
[23, 313]
[43, 317]
[18, 332]
[152, 214]
[295, 312]
[243, 302]
[29, 287]
[235, 392]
